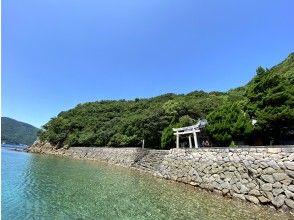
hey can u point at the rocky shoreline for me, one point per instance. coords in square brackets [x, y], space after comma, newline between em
[263, 176]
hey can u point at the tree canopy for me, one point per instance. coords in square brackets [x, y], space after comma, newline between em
[263, 109]
[267, 98]
[126, 123]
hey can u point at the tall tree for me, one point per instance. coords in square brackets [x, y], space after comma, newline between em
[271, 102]
[229, 123]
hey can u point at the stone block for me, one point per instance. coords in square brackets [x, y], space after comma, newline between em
[277, 185]
[267, 178]
[291, 188]
[269, 195]
[254, 192]
[273, 164]
[280, 176]
[274, 150]
[252, 199]
[269, 170]
[289, 194]
[290, 173]
[286, 182]
[243, 189]
[240, 196]
[289, 165]
[278, 201]
[289, 203]
[277, 192]
[263, 199]
[225, 191]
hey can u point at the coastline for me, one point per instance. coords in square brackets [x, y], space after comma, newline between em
[263, 176]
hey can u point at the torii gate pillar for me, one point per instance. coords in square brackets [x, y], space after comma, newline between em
[195, 138]
[178, 139]
[190, 141]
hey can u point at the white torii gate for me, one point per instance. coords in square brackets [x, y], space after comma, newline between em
[187, 130]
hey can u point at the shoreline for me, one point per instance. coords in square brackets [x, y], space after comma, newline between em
[238, 176]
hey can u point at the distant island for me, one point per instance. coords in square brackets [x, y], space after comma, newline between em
[259, 113]
[16, 132]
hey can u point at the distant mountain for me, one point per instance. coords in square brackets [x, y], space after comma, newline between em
[16, 132]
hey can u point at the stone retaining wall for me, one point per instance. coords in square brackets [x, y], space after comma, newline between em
[258, 175]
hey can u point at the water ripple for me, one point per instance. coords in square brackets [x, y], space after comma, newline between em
[47, 187]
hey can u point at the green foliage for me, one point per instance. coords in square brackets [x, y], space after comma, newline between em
[232, 144]
[271, 101]
[168, 137]
[228, 123]
[127, 123]
[268, 98]
[121, 140]
[15, 132]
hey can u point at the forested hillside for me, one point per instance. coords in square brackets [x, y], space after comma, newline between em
[16, 132]
[268, 100]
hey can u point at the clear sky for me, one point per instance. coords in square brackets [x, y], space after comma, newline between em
[58, 53]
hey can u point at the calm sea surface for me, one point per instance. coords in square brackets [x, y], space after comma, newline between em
[49, 187]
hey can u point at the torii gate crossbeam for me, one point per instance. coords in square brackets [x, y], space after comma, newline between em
[187, 130]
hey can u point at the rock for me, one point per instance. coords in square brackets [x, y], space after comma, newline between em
[232, 168]
[193, 183]
[225, 191]
[291, 157]
[269, 195]
[285, 208]
[196, 178]
[252, 199]
[240, 196]
[289, 165]
[278, 201]
[273, 164]
[243, 189]
[229, 175]
[266, 187]
[252, 185]
[280, 176]
[286, 182]
[281, 165]
[289, 194]
[226, 185]
[217, 191]
[244, 181]
[291, 188]
[263, 199]
[290, 173]
[277, 191]
[274, 150]
[290, 203]
[267, 178]
[254, 192]
[269, 170]
[277, 185]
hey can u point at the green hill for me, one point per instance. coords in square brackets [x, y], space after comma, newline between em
[267, 98]
[16, 132]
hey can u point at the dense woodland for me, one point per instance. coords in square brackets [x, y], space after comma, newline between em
[268, 100]
[16, 132]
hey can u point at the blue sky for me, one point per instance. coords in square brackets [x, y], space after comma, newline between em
[58, 53]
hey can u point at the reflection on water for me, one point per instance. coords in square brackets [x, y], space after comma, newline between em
[38, 186]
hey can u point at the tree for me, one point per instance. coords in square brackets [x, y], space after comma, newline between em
[268, 98]
[168, 137]
[271, 102]
[229, 123]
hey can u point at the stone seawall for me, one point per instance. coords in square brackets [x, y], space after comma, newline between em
[258, 175]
